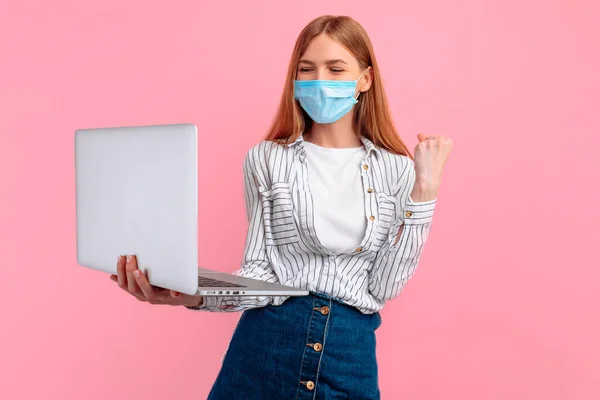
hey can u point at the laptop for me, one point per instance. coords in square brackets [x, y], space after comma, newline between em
[137, 193]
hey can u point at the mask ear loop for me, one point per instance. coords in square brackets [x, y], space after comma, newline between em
[356, 82]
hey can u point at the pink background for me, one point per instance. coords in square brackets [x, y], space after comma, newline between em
[505, 302]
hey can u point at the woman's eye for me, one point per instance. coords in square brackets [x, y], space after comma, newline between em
[304, 69]
[337, 70]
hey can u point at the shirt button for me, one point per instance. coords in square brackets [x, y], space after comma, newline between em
[365, 166]
[369, 190]
[324, 310]
[318, 346]
[358, 249]
[408, 214]
[310, 385]
[372, 218]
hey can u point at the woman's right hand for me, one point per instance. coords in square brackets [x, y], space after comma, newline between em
[133, 281]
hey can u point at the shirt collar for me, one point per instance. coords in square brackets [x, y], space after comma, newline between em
[369, 145]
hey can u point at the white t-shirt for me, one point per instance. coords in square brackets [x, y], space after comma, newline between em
[334, 177]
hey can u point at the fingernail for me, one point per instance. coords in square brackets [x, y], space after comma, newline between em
[119, 258]
[136, 273]
[128, 258]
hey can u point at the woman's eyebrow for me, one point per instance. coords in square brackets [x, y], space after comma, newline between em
[328, 62]
[337, 61]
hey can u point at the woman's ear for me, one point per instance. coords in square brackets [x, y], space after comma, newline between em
[367, 80]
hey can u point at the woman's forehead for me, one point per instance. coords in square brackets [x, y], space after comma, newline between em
[323, 49]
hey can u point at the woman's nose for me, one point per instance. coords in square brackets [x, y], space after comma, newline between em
[321, 74]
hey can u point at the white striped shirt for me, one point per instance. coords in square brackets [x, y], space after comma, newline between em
[282, 245]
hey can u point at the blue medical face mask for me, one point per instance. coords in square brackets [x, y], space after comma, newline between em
[326, 101]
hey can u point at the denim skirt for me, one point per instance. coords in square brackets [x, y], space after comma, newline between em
[310, 347]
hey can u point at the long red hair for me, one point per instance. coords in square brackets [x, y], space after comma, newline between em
[371, 118]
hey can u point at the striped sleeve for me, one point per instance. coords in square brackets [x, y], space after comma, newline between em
[255, 264]
[395, 263]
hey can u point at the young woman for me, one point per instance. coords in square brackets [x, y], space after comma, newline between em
[336, 204]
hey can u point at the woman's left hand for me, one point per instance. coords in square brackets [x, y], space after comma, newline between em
[431, 154]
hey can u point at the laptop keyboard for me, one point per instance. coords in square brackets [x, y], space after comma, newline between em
[209, 282]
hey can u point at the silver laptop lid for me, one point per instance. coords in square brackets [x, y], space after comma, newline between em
[137, 193]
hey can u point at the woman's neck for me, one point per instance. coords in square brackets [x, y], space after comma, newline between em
[340, 134]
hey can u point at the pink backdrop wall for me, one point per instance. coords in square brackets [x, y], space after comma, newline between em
[505, 302]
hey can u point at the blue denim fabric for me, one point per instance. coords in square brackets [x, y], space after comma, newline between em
[272, 354]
